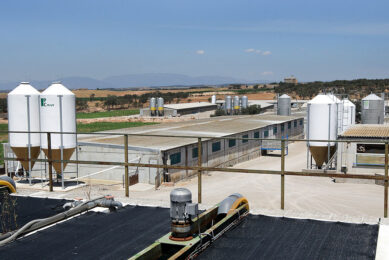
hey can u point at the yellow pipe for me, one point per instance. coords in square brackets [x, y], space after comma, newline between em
[8, 185]
[239, 202]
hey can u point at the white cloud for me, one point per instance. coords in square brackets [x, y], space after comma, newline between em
[200, 52]
[250, 50]
[267, 73]
[264, 53]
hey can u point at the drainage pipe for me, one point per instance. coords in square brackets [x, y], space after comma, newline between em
[36, 224]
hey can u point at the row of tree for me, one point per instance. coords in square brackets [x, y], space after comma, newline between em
[355, 88]
[126, 101]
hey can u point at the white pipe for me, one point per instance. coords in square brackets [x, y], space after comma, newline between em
[114, 167]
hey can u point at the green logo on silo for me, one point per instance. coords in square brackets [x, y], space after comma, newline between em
[44, 104]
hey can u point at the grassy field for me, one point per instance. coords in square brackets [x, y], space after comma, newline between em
[108, 113]
[104, 126]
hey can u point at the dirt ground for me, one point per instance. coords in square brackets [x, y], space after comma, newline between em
[315, 195]
[104, 93]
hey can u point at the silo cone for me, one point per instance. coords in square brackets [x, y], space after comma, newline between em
[320, 154]
[22, 153]
[56, 155]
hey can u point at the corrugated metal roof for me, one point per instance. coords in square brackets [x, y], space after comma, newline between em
[210, 127]
[189, 105]
[366, 131]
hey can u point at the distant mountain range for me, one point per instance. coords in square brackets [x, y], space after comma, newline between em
[132, 81]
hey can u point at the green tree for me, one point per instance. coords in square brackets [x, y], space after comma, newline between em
[111, 102]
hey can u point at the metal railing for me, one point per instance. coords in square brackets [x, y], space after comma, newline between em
[199, 168]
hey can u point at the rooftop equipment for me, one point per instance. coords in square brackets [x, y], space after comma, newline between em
[322, 125]
[372, 110]
[58, 114]
[236, 104]
[284, 105]
[153, 106]
[23, 115]
[160, 106]
[348, 114]
[228, 105]
[244, 102]
[213, 99]
[192, 232]
[181, 210]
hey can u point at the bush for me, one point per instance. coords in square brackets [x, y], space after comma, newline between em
[251, 110]
[219, 112]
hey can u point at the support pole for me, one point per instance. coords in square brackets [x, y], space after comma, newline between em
[282, 174]
[199, 159]
[329, 134]
[61, 130]
[29, 138]
[386, 182]
[126, 184]
[50, 158]
[309, 165]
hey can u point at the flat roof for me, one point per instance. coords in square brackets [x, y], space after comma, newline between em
[209, 127]
[189, 105]
[371, 131]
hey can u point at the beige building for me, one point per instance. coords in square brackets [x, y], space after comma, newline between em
[291, 80]
[366, 156]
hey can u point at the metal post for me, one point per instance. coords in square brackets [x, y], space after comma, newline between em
[126, 184]
[309, 166]
[386, 182]
[61, 130]
[29, 138]
[199, 157]
[77, 156]
[329, 133]
[50, 158]
[77, 164]
[282, 174]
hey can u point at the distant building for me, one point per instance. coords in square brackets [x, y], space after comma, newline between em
[291, 80]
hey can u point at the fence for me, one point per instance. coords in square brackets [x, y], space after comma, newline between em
[126, 164]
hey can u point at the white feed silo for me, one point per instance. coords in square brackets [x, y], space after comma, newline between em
[213, 99]
[244, 102]
[153, 106]
[236, 104]
[372, 110]
[228, 105]
[58, 114]
[339, 109]
[284, 105]
[322, 125]
[160, 103]
[348, 114]
[23, 115]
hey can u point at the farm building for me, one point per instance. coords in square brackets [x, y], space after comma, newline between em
[182, 109]
[366, 156]
[177, 150]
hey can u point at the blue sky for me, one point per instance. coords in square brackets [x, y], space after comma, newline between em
[313, 40]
